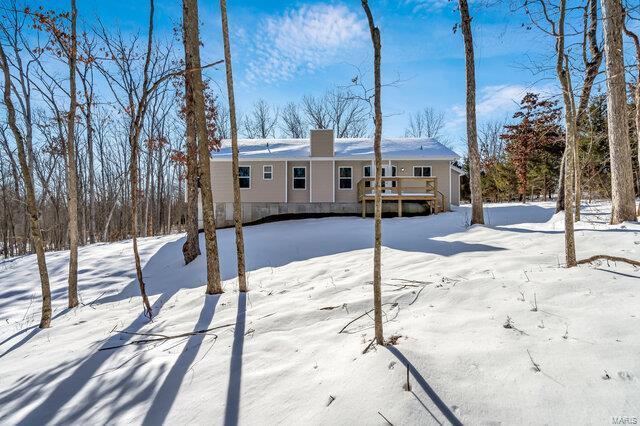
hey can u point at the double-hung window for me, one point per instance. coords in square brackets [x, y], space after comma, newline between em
[345, 175]
[244, 176]
[422, 171]
[299, 178]
[267, 172]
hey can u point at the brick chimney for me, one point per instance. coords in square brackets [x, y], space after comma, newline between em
[322, 143]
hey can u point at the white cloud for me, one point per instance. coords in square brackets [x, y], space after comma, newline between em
[303, 40]
[429, 5]
[493, 103]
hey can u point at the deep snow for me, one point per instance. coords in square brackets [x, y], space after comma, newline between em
[284, 361]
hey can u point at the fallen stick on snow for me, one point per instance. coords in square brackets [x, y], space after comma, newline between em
[161, 337]
[366, 313]
[385, 419]
[611, 258]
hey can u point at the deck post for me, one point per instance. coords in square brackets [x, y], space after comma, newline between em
[364, 208]
[399, 186]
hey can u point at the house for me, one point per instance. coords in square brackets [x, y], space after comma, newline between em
[322, 175]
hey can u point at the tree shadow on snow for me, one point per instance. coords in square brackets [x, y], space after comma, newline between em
[232, 408]
[115, 396]
[441, 405]
[34, 330]
[167, 393]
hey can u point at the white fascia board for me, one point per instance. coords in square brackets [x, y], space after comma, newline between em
[352, 158]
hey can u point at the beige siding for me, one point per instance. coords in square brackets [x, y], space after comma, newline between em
[321, 143]
[455, 187]
[321, 178]
[349, 195]
[439, 169]
[261, 190]
[297, 195]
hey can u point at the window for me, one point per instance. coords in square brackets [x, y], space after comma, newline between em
[244, 176]
[267, 172]
[299, 178]
[344, 175]
[422, 171]
[366, 172]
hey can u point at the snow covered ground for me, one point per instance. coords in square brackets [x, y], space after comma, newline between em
[448, 290]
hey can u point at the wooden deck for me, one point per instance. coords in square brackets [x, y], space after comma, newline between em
[399, 189]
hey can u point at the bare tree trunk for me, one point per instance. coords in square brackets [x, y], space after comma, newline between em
[569, 163]
[191, 247]
[72, 173]
[636, 43]
[192, 44]
[134, 137]
[475, 182]
[36, 232]
[560, 188]
[92, 175]
[377, 248]
[237, 204]
[622, 194]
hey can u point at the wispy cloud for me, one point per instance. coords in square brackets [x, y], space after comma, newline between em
[303, 40]
[427, 5]
[493, 103]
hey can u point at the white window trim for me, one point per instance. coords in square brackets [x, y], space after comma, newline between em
[263, 171]
[293, 177]
[244, 177]
[422, 167]
[350, 178]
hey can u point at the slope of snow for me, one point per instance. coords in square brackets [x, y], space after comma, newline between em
[448, 289]
[356, 148]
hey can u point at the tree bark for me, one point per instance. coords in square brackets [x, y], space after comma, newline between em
[377, 247]
[475, 182]
[192, 54]
[191, 247]
[560, 188]
[569, 164]
[237, 204]
[636, 42]
[36, 232]
[622, 193]
[72, 173]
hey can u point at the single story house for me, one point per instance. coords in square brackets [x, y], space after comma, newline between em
[322, 175]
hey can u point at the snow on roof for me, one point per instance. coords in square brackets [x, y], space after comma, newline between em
[399, 148]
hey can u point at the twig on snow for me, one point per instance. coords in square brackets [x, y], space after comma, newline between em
[611, 258]
[161, 337]
[536, 367]
[385, 419]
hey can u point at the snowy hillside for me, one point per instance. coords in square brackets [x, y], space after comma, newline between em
[278, 356]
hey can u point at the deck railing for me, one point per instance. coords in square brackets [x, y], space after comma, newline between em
[402, 188]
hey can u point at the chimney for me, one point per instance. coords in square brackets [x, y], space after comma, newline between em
[321, 142]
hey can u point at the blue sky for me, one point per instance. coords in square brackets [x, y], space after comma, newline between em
[285, 49]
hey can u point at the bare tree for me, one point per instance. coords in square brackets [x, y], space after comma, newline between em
[36, 232]
[261, 122]
[636, 42]
[564, 76]
[223, 130]
[622, 195]
[477, 215]
[427, 123]
[377, 248]
[237, 202]
[347, 113]
[72, 173]
[293, 124]
[316, 112]
[196, 86]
